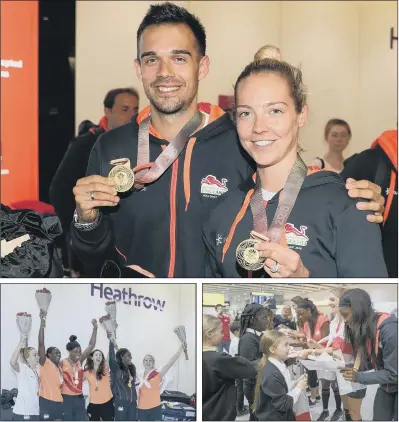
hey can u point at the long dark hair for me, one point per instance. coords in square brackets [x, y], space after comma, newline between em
[363, 330]
[248, 316]
[125, 370]
[89, 366]
[314, 313]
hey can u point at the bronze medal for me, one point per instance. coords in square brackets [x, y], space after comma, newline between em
[122, 174]
[96, 389]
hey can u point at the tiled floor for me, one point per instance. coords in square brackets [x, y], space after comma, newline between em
[367, 406]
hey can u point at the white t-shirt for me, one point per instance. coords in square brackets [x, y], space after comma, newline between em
[267, 195]
[337, 328]
[234, 345]
[27, 401]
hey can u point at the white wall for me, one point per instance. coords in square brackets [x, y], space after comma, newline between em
[378, 84]
[140, 330]
[342, 47]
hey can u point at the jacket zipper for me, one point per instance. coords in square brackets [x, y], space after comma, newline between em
[172, 226]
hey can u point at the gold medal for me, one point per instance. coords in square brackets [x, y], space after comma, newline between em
[122, 174]
[129, 385]
[247, 256]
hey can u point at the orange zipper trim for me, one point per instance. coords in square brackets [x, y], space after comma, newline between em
[172, 227]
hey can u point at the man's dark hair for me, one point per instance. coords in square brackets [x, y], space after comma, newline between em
[168, 13]
[109, 99]
[218, 306]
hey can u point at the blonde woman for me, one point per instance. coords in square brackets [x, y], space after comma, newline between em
[149, 407]
[318, 230]
[27, 372]
[275, 393]
[220, 370]
[268, 52]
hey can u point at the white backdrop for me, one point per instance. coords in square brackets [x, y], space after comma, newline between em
[142, 329]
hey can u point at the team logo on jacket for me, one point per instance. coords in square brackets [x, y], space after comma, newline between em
[210, 185]
[294, 236]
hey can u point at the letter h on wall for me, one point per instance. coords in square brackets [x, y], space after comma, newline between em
[393, 38]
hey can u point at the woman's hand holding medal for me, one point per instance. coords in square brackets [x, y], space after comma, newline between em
[92, 192]
[281, 261]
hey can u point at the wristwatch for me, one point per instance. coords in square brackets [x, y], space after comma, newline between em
[86, 227]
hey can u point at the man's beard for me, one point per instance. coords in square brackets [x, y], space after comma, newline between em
[171, 105]
[166, 107]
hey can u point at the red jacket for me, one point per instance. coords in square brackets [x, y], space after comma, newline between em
[225, 320]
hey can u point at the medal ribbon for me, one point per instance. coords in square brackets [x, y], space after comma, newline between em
[286, 203]
[168, 156]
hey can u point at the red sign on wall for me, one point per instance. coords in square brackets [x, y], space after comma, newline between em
[19, 101]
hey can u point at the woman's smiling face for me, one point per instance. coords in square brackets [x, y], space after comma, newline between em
[267, 121]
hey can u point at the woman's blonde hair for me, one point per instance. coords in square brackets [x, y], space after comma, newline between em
[269, 339]
[268, 52]
[338, 292]
[209, 323]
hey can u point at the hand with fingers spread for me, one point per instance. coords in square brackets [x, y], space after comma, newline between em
[92, 192]
[281, 261]
[364, 189]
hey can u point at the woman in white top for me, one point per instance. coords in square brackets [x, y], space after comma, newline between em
[337, 135]
[27, 403]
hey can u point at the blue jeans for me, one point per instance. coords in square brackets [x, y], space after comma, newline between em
[154, 414]
[224, 345]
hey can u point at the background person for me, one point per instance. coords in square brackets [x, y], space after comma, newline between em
[225, 320]
[220, 371]
[96, 371]
[337, 135]
[120, 104]
[27, 371]
[374, 337]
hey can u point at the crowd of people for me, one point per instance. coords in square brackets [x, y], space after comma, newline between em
[51, 388]
[181, 174]
[269, 348]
